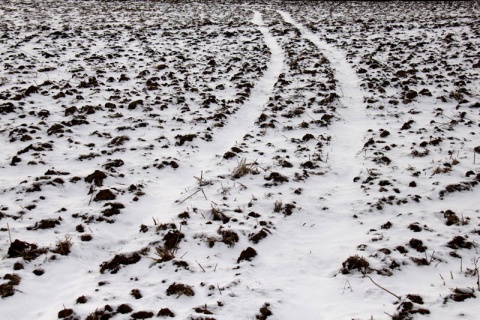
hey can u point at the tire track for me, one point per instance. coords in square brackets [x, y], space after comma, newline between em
[243, 120]
[165, 190]
[241, 123]
[312, 243]
[344, 158]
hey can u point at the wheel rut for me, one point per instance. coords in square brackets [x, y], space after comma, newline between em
[311, 242]
[345, 159]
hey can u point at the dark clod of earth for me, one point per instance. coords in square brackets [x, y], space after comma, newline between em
[180, 289]
[247, 254]
[114, 265]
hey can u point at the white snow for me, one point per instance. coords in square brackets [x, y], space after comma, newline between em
[357, 125]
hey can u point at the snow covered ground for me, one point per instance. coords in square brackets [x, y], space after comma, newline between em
[207, 160]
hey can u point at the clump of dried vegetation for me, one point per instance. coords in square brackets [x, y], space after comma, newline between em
[243, 168]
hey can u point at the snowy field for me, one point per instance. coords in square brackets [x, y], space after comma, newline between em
[233, 160]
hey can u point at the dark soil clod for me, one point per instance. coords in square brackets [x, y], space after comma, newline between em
[113, 164]
[134, 104]
[255, 238]
[420, 261]
[415, 298]
[7, 108]
[386, 225]
[113, 210]
[460, 294]
[28, 251]
[229, 237]
[276, 177]
[415, 227]
[229, 155]
[184, 138]
[417, 245]
[38, 272]
[118, 141]
[180, 289]
[165, 312]
[105, 195]
[288, 209]
[451, 218]
[172, 238]
[355, 263]
[264, 312]
[458, 187]
[45, 224]
[82, 300]
[247, 254]
[120, 259]
[460, 242]
[124, 309]
[6, 290]
[97, 178]
[65, 313]
[142, 315]
[136, 294]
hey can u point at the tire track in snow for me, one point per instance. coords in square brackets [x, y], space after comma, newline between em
[311, 244]
[243, 120]
[343, 159]
[206, 154]
[164, 190]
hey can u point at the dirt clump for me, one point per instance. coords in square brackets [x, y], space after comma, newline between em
[136, 294]
[134, 104]
[460, 294]
[65, 313]
[8, 289]
[276, 178]
[180, 289]
[28, 251]
[256, 237]
[247, 254]
[82, 300]
[264, 312]
[165, 312]
[451, 218]
[172, 238]
[105, 195]
[229, 237]
[114, 164]
[113, 210]
[459, 242]
[124, 309]
[120, 259]
[142, 315]
[184, 138]
[45, 224]
[355, 263]
[417, 245]
[7, 108]
[96, 177]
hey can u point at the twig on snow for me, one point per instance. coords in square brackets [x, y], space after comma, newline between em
[393, 294]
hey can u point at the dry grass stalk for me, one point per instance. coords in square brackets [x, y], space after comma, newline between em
[278, 206]
[63, 246]
[243, 168]
[198, 190]
[9, 234]
[164, 254]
